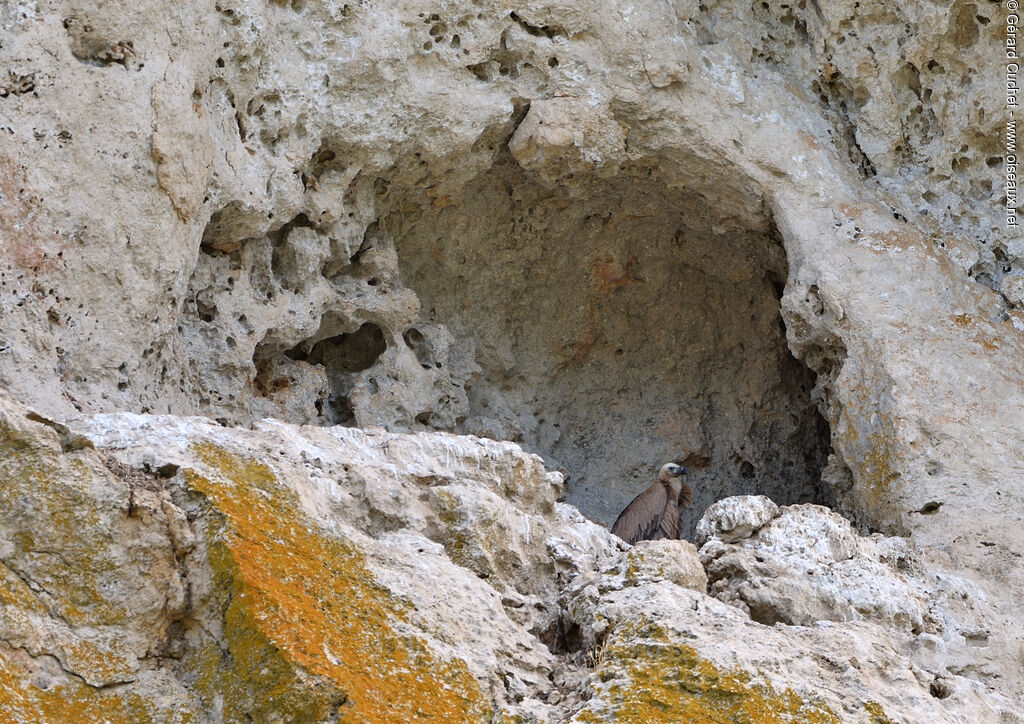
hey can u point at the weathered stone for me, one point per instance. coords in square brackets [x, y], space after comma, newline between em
[91, 585]
[424, 558]
[563, 136]
[731, 519]
[807, 564]
[671, 560]
[377, 575]
[572, 226]
[1012, 287]
[670, 654]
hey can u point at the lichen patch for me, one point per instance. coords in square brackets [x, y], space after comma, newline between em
[646, 676]
[310, 632]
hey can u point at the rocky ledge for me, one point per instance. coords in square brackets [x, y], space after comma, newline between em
[170, 569]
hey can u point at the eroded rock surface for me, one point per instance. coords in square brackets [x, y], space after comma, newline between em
[332, 574]
[219, 575]
[808, 565]
[811, 562]
[852, 614]
[735, 518]
[385, 226]
[765, 240]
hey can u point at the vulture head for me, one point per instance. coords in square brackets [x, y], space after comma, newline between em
[672, 475]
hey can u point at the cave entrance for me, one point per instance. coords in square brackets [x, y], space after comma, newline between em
[616, 326]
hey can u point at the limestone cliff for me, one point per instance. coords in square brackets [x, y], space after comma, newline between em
[293, 294]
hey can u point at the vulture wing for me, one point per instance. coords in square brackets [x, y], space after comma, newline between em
[670, 521]
[641, 519]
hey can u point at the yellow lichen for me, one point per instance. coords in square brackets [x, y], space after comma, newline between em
[99, 661]
[877, 467]
[868, 441]
[309, 630]
[15, 594]
[655, 679]
[877, 713]
[72, 702]
[476, 555]
[53, 496]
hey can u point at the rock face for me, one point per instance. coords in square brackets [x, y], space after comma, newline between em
[193, 573]
[170, 569]
[807, 566]
[764, 240]
[383, 228]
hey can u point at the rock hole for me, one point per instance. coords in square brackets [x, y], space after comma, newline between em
[939, 689]
[206, 312]
[342, 357]
[168, 470]
[339, 410]
[347, 353]
[482, 71]
[229, 227]
[419, 345]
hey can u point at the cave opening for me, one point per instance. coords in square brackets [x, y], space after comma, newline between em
[616, 325]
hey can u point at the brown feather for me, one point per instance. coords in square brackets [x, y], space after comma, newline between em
[643, 518]
[686, 495]
[670, 519]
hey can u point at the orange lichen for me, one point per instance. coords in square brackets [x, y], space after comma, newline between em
[655, 679]
[309, 630]
[16, 594]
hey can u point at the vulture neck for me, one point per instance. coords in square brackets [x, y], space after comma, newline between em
[674, 486]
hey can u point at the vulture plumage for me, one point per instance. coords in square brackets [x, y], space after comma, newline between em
[654, 514]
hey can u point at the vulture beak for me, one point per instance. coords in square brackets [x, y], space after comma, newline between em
[679, 471]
